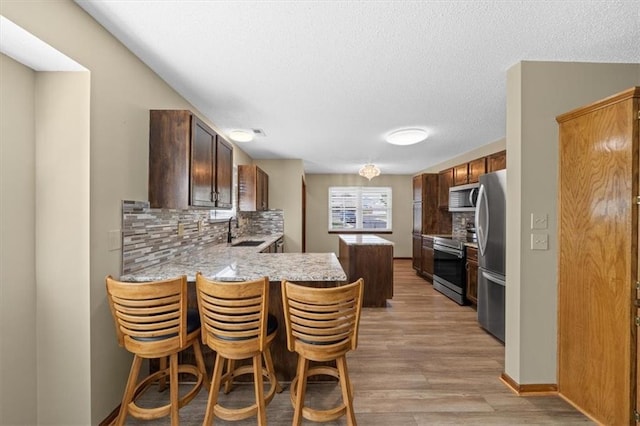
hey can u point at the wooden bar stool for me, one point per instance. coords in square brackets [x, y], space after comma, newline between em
[237, 326]
[322, 325]
[152, 321]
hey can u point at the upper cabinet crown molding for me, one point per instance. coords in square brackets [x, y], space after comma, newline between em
[190, 165]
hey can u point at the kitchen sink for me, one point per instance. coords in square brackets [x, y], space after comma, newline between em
[249, 243]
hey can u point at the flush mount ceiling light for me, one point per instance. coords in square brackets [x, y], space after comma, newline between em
[369, 171]
[241, 135]
[406, 136]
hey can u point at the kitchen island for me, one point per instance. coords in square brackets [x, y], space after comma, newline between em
[224, 262]
[371, 258]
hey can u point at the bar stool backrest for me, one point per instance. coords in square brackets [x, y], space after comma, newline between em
[233, 315]
[149, 317]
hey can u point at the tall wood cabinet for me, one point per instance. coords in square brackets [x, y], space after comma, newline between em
[190, 165]
[253, 188]
[598, 258]
[428, 218]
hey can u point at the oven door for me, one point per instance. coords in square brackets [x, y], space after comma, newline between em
[449, 275]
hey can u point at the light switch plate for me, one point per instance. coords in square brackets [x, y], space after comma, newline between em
[539, 221]
[180, 229]
[115, 241]
[539, 242]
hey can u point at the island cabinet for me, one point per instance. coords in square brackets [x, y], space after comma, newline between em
[371, 258]
[253, 188]
[472, 275]
[190, 165]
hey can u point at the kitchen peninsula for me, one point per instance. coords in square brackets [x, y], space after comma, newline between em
[228, 263]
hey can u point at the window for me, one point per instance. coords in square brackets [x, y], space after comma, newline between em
[359, 208]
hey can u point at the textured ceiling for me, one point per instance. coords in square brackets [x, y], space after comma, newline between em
[327, 80]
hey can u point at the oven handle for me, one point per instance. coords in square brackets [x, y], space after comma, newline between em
[448, 250]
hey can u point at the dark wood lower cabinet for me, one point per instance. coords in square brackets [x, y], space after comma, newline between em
[472, 275]
[417, 252]
[427, 257]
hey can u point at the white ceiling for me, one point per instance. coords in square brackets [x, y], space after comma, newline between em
[327, 80]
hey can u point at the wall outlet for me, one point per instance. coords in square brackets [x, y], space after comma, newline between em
[180, 229]
[539, 242]
[539, 221]
[200, 226]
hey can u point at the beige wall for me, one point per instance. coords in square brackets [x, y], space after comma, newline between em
[479, 152]
[62, 248]
[318, 238]
[285, 192]
[18, 348]
[536, 93]
[123, 90]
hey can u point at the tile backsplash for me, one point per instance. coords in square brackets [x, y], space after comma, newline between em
[460, 221]
[150, 236]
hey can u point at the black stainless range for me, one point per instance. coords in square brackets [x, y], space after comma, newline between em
[449, 262]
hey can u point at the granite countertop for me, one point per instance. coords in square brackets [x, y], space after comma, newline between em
[363, 239]
[227, 263]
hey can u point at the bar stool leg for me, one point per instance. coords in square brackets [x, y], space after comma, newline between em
[131, 387]
[345, 384]
[215, 388]
[173, 389]
[259, 390]
[197, 349]
[268, 360]
[231, 366]
[303, 365]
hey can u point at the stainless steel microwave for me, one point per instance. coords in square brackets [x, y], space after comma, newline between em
[463, 198]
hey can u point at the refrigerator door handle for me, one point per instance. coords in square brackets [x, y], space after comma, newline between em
[482, 220]
[493, 278]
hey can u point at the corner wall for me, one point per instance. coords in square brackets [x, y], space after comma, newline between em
[318, 238]
[62, 249]
[536, 93]
[18, 348]
[285, 192]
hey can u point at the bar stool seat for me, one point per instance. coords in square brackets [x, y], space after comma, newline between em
[236, 325]
[322, 325]
[152, 321]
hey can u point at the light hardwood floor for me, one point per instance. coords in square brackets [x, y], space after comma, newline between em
[422, 360]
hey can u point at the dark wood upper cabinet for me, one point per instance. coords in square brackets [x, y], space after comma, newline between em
[224, 174]
[445, 181]
[417, 188]
[476, 168]
[460, 174]
[497, 161]
[189, 163]
[253, 188]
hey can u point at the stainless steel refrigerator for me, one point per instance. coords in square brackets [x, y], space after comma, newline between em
[491, 230]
